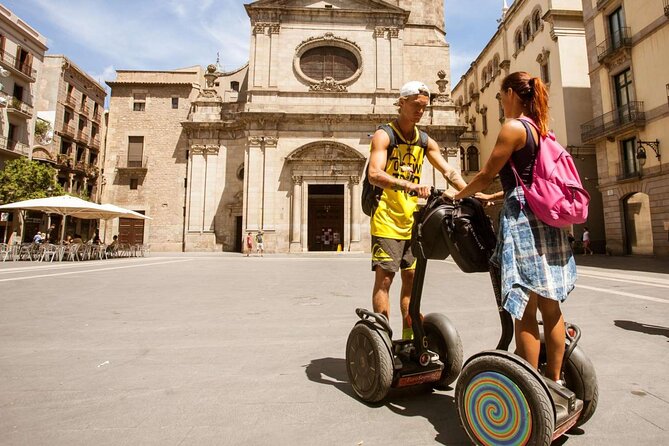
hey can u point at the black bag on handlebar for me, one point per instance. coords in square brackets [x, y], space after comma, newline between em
[461, 229]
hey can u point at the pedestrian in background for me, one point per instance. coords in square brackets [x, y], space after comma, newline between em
[248, 244]
[586, 241]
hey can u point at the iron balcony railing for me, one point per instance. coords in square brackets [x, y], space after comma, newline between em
[616, 41]
[22, 67]
[614, 121]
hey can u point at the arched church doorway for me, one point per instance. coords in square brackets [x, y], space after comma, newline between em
[638, 227]
[326, 217]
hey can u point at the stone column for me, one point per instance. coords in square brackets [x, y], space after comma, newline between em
[211, 195]
[355, 209]
[396, 60]
[296, 216]
[254, 184]
[304, 218]
[262, 55]
[274, 43]
[383, 60]
[270, 166]
[196, 195]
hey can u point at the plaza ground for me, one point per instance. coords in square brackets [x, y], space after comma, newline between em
[201, 349]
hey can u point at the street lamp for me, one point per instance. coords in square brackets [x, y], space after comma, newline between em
[641, 151]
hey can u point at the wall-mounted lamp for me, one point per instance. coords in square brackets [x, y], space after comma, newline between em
[641, 151]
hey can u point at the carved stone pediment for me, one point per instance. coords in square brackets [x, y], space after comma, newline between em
[325, 151]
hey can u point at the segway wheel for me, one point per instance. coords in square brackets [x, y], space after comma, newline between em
[580, 378]
[443, 338]
[368, 364]
[501, 403]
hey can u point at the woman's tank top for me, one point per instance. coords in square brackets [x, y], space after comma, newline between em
[523, 159]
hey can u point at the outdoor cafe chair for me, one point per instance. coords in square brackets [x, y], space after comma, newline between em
[48, 251]
[6, 251]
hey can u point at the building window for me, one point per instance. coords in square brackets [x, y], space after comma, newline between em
[472, 159]
[80, 154]
[70, 90]
[240, 173]
[519, 41]
[624, 92]
[135, 151]
[18, 92]
[92, 158]
[67, 116]
[484, 120]
[82, 124]
[536, 19]
[616, 25]
[328, 61]
[545, 70]
[495, 65]
[175, 102]
[528, 31]
[96, 108]
[83, 101]
[628, 157]
[139, 102]
[134, 183]
[501, 107]
[65, 147]
[234, 86]
[462, 159]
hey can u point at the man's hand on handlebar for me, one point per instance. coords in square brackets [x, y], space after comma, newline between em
[418, 189]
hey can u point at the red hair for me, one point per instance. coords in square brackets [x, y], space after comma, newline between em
[532, 91]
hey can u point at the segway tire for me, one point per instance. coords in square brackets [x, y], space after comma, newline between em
[369, 364]
[580, 378]
[443, 338]
[500, 402]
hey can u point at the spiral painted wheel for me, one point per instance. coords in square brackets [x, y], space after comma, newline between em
[501, 403]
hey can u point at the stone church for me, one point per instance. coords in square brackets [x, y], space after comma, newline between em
[280, 144]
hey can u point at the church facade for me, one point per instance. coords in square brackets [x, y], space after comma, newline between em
[280, 144]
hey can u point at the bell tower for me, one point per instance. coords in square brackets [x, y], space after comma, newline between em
[426, 51]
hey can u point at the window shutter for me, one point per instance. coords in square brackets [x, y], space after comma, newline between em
[135, 151]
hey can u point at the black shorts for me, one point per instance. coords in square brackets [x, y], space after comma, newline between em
[392, 255]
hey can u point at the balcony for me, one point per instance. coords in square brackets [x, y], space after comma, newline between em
[92, 170]
[123, 163]
[97, 116]
[614, 122]
[613, 44]
[12, 145]
[84, 110]
[17, 67]
[63, 160]
[70, 101]
[81, 136]
[469, 137]
[79, 166]
[18, 107]
[95, 142]
[67, 129]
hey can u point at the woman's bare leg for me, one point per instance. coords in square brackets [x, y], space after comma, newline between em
[527, 333]
[554, 333]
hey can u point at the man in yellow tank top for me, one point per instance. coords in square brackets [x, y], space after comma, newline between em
[399, 176]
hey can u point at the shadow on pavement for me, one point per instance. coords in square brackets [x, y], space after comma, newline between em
[655, 330]
[418, 401]
[626, 263]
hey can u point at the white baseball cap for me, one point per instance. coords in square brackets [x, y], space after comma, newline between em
[413, 88]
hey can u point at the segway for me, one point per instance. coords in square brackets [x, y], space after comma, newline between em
[503, 400]
[375, 362]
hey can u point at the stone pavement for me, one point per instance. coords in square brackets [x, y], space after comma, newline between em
[185, 349]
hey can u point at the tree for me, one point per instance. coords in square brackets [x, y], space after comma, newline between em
[24, 179]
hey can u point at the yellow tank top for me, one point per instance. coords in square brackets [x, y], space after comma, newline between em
[394, 216]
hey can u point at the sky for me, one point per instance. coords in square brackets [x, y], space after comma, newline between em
[101, 36]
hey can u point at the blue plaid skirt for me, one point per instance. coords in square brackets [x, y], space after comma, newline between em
[532, 256]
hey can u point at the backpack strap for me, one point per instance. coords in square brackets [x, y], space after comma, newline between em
[393, 139]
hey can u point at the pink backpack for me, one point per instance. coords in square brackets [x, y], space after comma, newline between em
[556, 196]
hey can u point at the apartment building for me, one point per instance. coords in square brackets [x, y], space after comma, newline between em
[547, 39]
[628, 55]
[71, 103]
[21, 56]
